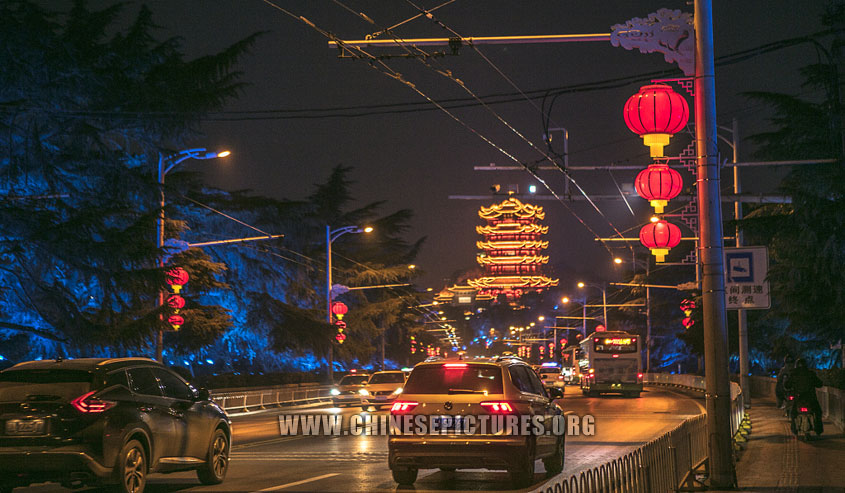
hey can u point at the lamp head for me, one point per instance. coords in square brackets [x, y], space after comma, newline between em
[223, 153]
[617, 260]
[368, 229]
[565, 299]
[581, 284]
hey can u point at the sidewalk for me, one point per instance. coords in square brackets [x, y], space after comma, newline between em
[775, 460]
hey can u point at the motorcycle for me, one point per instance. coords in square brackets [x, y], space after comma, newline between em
[802, 419]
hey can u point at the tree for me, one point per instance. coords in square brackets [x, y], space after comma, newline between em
[807, 237]
[83, 115]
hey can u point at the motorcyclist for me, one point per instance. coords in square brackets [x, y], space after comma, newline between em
[787, 367]
[802, 382]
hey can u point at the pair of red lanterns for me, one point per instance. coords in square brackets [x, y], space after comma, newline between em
[656, 113]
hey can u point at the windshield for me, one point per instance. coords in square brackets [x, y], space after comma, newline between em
[353, 380]
[439, 379]
[397, 377]
[43, 385]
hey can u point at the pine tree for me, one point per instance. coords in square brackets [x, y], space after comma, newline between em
[84, 114]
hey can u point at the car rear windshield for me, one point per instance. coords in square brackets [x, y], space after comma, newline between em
[43, 385]
[353, 380]
[388, 378]
[439, 379]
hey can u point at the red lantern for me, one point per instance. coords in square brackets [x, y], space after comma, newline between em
[176, 302]
[339, 309]
[340, 338]
[600, 328]
[655, 114]
[177, 277]
[176, 321]
[658, 183]
[659, 237]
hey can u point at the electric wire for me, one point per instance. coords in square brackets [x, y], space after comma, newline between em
[448, 75]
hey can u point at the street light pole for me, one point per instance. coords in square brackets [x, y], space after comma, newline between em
[331, 236]
[163, 169]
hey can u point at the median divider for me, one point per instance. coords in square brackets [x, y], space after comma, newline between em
[674, 461]
[256, 399]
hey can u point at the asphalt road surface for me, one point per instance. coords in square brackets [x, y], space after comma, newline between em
[262, 460]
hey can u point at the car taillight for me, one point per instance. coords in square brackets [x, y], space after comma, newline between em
[497, 407]
[639, 376]
[803, 410]
[791, 397]
[87, 403]
[403, 406]
[615, 356]
[455, 366]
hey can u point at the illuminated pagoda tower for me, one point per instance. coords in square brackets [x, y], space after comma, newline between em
[512, 250]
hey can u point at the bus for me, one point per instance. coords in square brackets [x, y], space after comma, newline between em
[610, 363]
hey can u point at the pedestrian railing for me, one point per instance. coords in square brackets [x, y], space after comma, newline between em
[255, 399]
[668, 463]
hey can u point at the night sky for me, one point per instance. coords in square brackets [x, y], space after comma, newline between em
[417, 159]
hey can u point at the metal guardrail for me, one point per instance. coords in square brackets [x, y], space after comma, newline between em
[254, 399]
[664, 464]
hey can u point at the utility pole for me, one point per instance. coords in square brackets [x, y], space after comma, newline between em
[717, 383]
[742, 315]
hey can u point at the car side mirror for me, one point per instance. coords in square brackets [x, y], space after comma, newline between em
[556, 393]
[203, 394]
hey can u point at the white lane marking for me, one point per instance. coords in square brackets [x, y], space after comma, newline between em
[297, 483]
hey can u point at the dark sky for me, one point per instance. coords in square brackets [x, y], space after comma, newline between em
[417, 159]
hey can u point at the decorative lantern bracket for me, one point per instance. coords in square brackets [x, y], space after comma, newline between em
[670, 32]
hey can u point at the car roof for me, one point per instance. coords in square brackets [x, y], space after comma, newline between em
[89, 364]
[388, 371]
[497, 361]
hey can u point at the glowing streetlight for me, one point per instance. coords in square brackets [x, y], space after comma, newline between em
[617, 260]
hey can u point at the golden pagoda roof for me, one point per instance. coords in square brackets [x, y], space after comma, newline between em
[513, 260]
[512, 228]
[513, 206]
[501, 282]
[511, 244]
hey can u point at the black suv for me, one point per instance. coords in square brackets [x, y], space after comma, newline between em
[106, 421]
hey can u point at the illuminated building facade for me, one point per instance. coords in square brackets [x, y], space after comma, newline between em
[512, 248]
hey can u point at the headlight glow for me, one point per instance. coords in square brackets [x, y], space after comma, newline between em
[334, 392]
[363, 392]
[398, 391]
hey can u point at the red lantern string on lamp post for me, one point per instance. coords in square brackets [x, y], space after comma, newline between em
[656, 113]
[658, 184]
[659, 237]
[339, 309]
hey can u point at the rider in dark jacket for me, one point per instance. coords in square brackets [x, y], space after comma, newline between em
[802, 382]
[788, 365]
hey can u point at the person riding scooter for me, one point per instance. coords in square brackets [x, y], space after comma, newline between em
[780, 394]
[802, 383]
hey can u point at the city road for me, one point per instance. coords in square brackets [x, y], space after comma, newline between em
[262, 460]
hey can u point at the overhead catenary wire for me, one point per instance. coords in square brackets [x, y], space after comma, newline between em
[448, 74]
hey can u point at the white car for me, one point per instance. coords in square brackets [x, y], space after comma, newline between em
[551, 377]
[382, 389]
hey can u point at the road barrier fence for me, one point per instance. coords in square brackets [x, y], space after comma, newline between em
[671, 462]
[255, 399]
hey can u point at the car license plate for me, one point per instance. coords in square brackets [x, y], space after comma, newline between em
[381, 397]
[448, 422]
[22, 427]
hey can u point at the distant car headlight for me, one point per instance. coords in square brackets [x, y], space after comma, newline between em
[334, 392]
[397, 391]
[364, 392]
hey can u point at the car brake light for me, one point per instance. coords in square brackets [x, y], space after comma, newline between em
[402, 406]
[87, 403]
[803, 409]
[791, 397]
[497, 407]
[615, 356]
[640, 376]
[455, 366]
